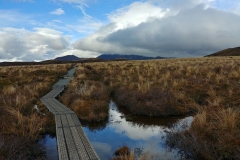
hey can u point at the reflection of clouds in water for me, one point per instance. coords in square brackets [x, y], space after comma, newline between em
[51, 147]
[132, 130]
[136, 134]
[183, 123]
[102, 149]
[139, 132]
[158, 152]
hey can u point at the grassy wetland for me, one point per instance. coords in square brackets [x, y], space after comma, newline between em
[23, 116]
[208, 88]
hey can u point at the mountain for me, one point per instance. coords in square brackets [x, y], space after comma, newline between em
[127, 57]
[68, 58]
[227, 52]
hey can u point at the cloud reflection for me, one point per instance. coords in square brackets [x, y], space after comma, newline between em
[135, 131]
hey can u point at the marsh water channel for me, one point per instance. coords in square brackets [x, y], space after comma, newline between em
[139, 133]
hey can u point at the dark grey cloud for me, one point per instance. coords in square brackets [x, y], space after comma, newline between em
[193, 31]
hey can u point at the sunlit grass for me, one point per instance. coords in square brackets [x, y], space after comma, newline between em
[87, 98]
[208, 88]
[21, 88]
[192, 82]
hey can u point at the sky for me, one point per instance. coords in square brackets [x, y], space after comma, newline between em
[36, 30]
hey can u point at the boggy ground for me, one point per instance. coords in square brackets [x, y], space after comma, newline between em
[87, 97]
[214, 134]
[21, 88]
[206, 87]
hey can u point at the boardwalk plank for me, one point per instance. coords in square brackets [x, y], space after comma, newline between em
[61, 82]
[70, 72]
[71, 120]
[75, 120]
[73, 153]
[64, 121]
[53, 93]
[62, 147]
[60, 105]
[50, 108]
[78, 142]
[58, 121]
[54, 105]
[71, 140]
[91, 153]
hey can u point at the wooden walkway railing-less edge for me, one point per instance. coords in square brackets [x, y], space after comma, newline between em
[72, 142]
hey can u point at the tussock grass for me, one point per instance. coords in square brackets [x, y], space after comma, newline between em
[21, 88]
[201, 119]
[87, 97]
[184, 83]
[27, 126]
[214, 134]
[9, 89]
[206, 87]
[227, 118]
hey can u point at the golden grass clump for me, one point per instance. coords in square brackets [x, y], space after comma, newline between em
[27, 126]
[9, 89]
[21, 88]
[201, 82]
[200, 119]
[214, 134]
[87, 97]
[204, 87]
[227, 118]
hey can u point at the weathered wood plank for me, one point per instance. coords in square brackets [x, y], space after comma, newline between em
[71, 121]
[72, 150]
[70, 72]
[55, 105]
[50, 108]
[78, 142]
[71, 140]
[76, 120]
[64, 121]
[61, 82]
[90, 151]
[53, 93]
[62, 147]
[60, 105]
[58, 121]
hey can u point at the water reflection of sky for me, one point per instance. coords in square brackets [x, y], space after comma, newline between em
[119, 132]
[142, 133]
[51, 147]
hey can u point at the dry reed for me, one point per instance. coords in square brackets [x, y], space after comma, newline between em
[204, 87]
[20, 90]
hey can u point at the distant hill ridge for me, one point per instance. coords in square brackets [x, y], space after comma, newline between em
[109, 57]
[68, 58]
[227, 52]
[128, 57]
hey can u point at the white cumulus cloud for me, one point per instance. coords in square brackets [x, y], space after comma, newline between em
[72, 1]
[25, 45]
[134, 14]
[58, 11]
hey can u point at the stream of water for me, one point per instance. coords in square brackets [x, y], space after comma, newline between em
[137, 132]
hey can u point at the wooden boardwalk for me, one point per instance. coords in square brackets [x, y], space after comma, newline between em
[72, 142]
